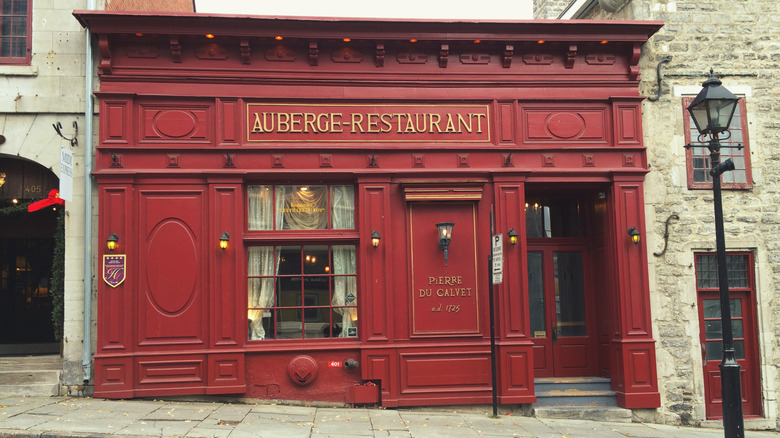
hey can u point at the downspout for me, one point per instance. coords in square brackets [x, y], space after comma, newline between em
[86, 359]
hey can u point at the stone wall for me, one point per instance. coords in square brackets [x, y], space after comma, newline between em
[740, 40]
[549, 9]
[33, 98]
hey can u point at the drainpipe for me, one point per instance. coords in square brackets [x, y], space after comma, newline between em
[86, 359]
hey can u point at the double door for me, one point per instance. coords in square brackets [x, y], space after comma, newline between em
[561, 310]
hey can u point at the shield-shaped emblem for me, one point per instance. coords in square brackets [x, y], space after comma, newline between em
[114, 269]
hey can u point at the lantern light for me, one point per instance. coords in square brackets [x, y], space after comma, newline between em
[111, 242]
[635, 236]
[512, 236]
[375, 237]
[223, 240]
[444, 230]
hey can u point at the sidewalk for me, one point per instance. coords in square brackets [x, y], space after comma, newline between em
[54, 417]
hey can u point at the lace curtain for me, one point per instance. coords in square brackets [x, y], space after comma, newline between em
[345, 288]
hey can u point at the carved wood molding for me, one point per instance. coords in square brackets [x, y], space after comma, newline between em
[104, 64]
[246, 51]
[175, 50]
[314, 53]
[379, 61]
[571, 55]
[444, 55]
[509, 51]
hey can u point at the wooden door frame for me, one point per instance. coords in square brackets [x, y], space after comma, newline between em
[570, 244]
[750, 366]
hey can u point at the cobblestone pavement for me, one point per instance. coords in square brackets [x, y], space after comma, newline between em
[53, 417]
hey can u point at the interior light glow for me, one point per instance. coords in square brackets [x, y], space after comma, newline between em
[346, 40]
[413, 40]
[541, 41]
[209, 35]
[278, 38]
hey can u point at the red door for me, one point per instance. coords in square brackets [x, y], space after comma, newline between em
[743, 323]
[560, 311]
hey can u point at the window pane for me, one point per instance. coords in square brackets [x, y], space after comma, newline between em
[301, 208]
[301, 292]
[711, 308]
[569, 293]
[713, 329]
[714, 350]
[342, 199]
[260, 210]
[536, 295]
[736, 328]
[739, 349]
[552, 217]
[707, 271]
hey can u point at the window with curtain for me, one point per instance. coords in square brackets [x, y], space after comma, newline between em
[15, 30]
[297, 289]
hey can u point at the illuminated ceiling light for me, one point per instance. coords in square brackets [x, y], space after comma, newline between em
[139, 34]
[209, 35]
[413, 40]
[477, 41]
[346, 40]
[278, 38]
[604, 41]
[304, 188]
[541, 41]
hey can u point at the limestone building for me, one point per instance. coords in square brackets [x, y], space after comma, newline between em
[739, 40]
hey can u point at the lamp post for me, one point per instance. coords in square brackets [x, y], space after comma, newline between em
[712, 110]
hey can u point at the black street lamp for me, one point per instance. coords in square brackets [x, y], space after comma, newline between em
[712, 111]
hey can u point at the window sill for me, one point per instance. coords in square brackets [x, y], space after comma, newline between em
[18, 70]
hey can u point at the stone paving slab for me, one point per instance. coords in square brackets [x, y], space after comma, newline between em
[60, 417]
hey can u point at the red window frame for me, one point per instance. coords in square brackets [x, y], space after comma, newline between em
[11, 36]
[697, 158]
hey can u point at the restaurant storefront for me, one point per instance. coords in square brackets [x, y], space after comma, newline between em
[279, 190]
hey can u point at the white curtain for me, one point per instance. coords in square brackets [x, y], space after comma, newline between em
[345, 288]
[261, 260]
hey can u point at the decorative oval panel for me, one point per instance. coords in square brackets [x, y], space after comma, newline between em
[175, 123]
[565, 125]
[173, 267]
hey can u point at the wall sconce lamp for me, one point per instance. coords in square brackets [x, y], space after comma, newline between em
[111, 242]
[375, 237]
[223, 240]
[635, 236]
[512, 236]
[444, 230]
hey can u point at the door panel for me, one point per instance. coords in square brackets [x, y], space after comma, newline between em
[561, 325]
[712, 352]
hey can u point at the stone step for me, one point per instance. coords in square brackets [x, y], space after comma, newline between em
[574, 391]
[599, 413]
[543, 384]
[30, 376]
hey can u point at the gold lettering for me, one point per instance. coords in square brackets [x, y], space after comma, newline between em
[308, 122]
[409, 125]
[357, 119]
[435, 123]
[387, 124]
[284, 125]
[450, 125]
[425, 293]
[295, 119]
[334, 123]
[373, 122]
[462, 122]
[424, 122]
[479, 121]
[258, 127]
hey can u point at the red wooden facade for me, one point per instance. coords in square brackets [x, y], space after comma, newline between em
[427, 122]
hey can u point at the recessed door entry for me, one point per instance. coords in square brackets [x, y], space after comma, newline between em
[559, 303]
